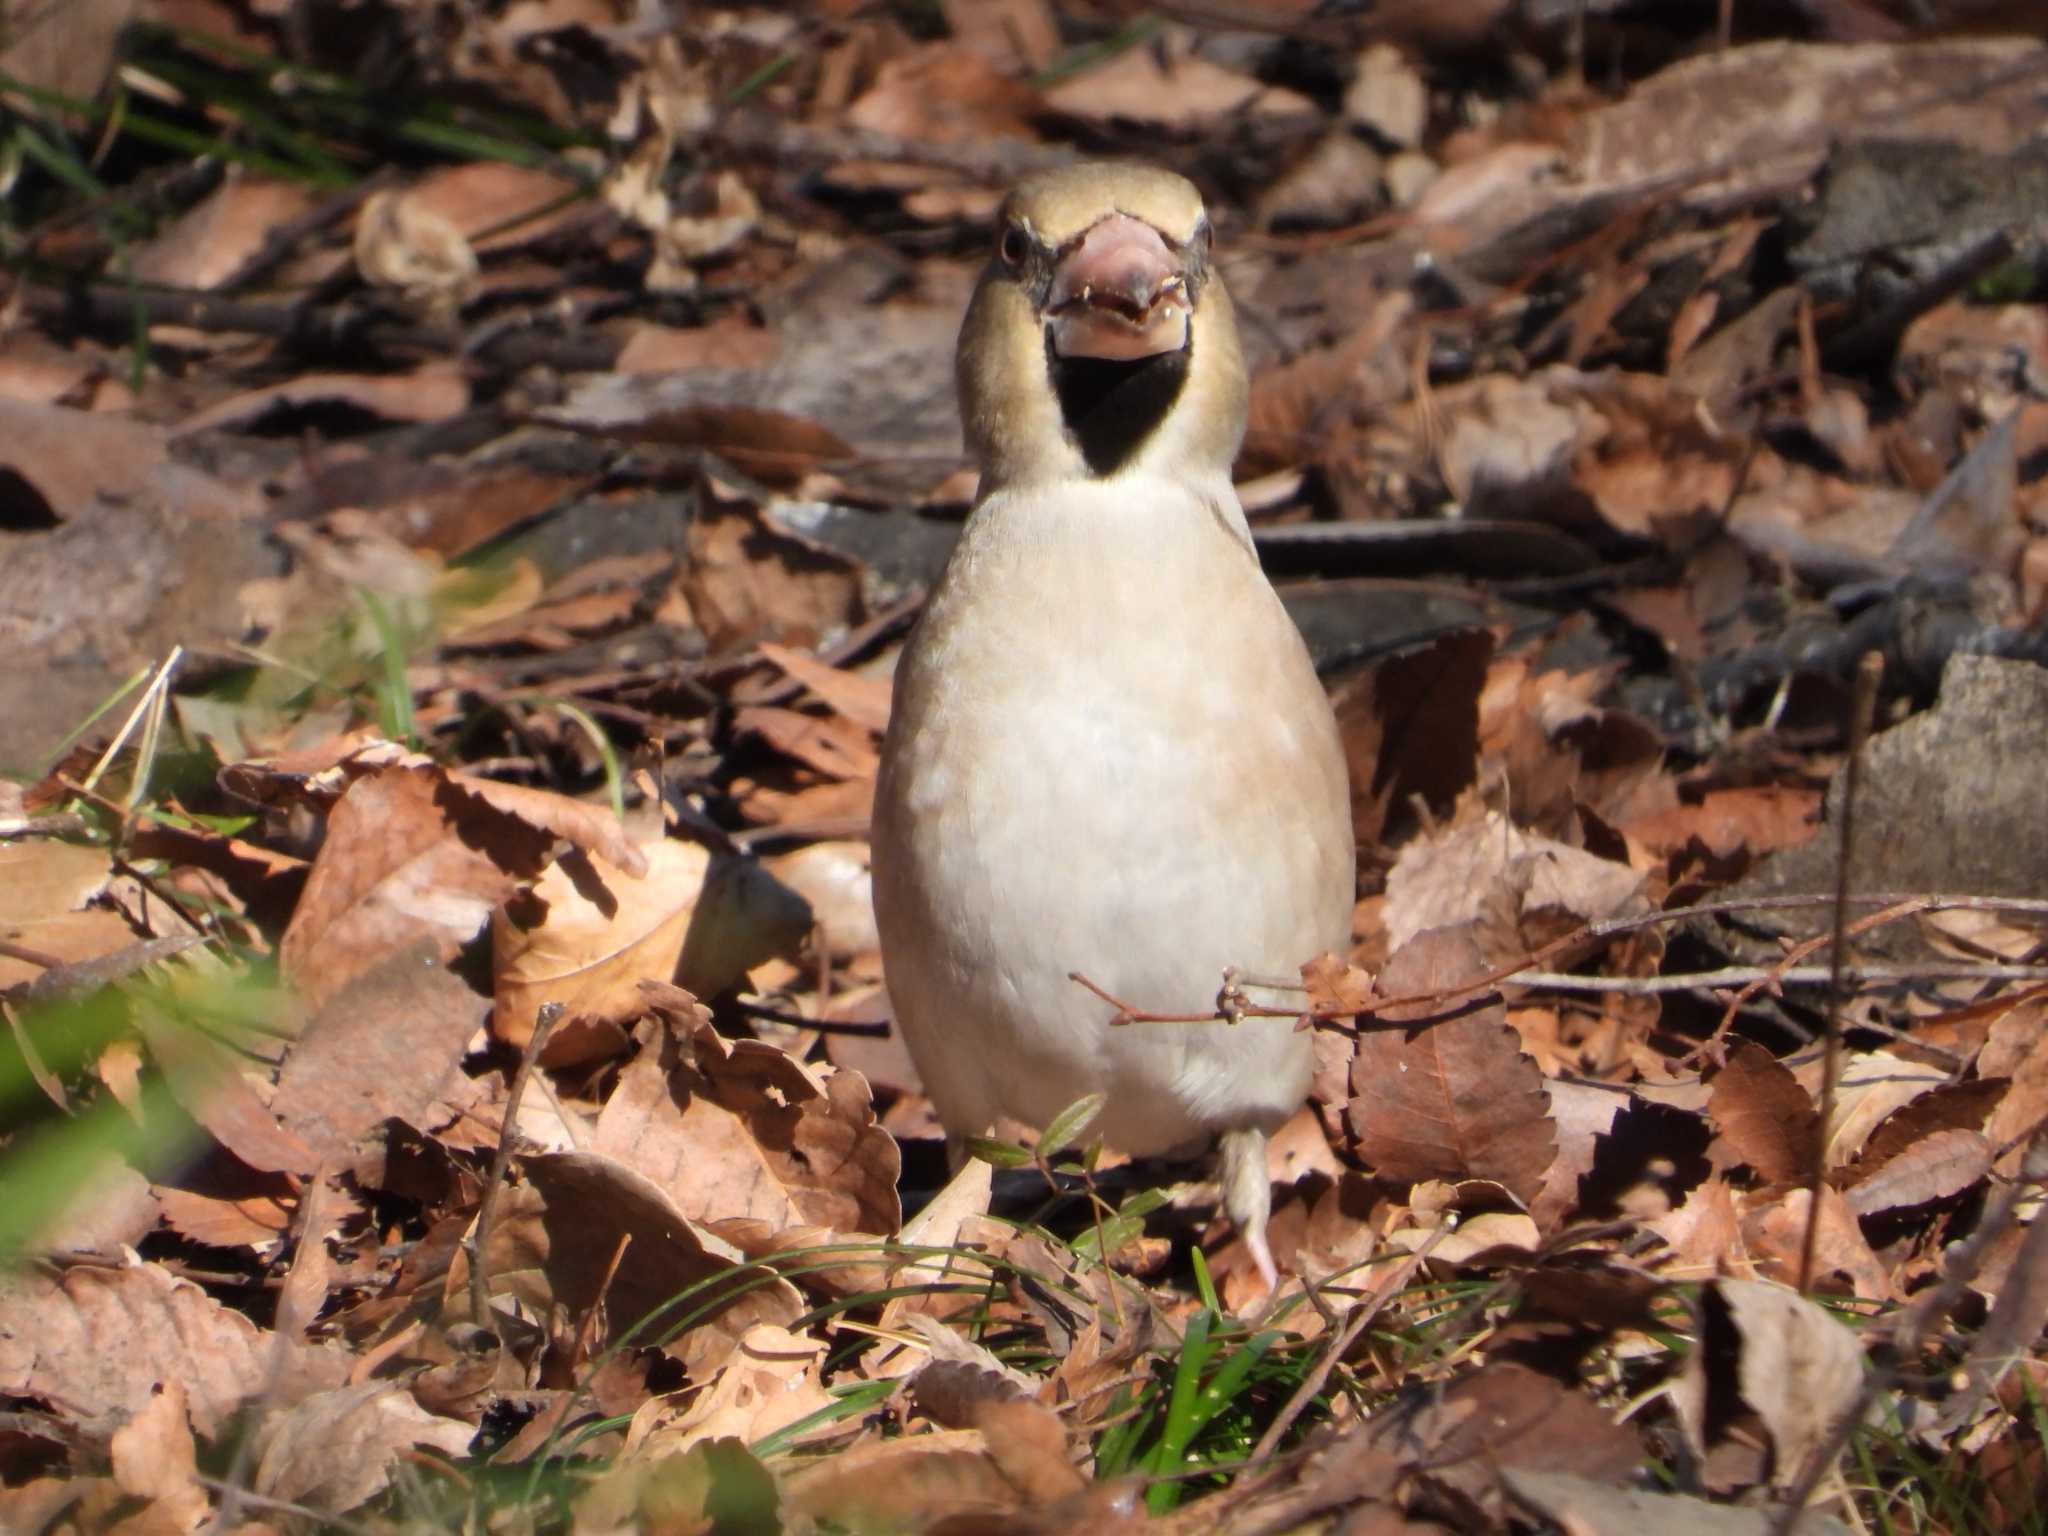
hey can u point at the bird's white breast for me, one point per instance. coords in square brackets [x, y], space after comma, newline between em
[1110, 754]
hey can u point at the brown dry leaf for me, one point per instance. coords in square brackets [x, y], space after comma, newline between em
[1704, 1234]
[2010, 1333]
[71, 51]
[740, 1131]
[1456, 1097]
[1765, 1117]
[68, 458]
[1759, 819]
[906, 1484]
[1017, 37]
[945, 1224]
[1411, 729]
[414, 853]
[2018, 1048]
[1504, 1415]
[938, 93]
[433, 391]
[748, 581]
[494, 205]
[1172, 87]
[1787, 1361]
[1872, 1086]
[860, 698]
[206, 1078]
[1774, 1229]
[1516, 889]
[770, 1381]
[1489, 1232]
[1584, 1506]
[1765, 114]
[586, 936]
[1654, 465]
[833, 745]
[35, 371]
[258, 1222]
[208, 245]
[444, 509]
[402, 243]
[333, 1450]
[1938, 1166]
[558, 1236]
[383, 1047]
[836, 883]
[155, 1458]
[43, 883]
[727, 342]
[95, 1343]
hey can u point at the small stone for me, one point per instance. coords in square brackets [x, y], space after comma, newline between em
[1387, 95]
[1409, 175]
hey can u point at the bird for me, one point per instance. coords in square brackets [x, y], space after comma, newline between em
[1108, 754]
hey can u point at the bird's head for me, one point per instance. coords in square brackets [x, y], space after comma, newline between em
[1100, 338]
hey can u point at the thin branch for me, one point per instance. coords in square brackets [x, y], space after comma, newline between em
[1523, 972]
[1361, 1318]
[1798, 975]
[1862, 703]
[501, 1161]
[1912, 1325]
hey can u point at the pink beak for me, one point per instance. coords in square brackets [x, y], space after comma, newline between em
[1119, 295]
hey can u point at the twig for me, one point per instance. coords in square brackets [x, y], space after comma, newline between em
[1913, 1324]
[828, 1026]
[1894, 904]
[1361, 1318]
[1862, 700]
[579, 1350]
[501, 1160]
[1798, 975]
[311, 1215]
[322, 1519]
[13, 951]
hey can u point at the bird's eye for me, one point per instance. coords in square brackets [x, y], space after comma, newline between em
[1014, 246]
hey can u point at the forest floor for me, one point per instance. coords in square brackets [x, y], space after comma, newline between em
[466, 472]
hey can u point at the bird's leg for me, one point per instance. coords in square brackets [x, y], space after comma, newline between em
[1248, 1195]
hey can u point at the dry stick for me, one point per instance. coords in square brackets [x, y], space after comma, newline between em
[1914, 1323]
[1361, 1318]
[1895, 905]
[1797, 975]
[322, 1519]
[312, 1208]
[13, 951]
[1862, 700]
[501, 1160]
[578, 1352]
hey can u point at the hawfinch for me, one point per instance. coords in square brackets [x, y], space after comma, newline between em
[1109, 752]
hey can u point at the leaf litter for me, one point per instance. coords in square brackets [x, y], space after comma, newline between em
[445, 1034]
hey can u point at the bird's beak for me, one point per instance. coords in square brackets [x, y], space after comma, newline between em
[1120, 294]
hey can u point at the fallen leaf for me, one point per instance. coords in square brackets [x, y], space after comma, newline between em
[334, 1450]
[1766, 1118]
[95, 1343]
[1451, 1095]
[770, 1381]
[1782, 1358]
[383, 1047]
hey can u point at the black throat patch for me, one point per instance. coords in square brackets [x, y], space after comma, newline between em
[1112, 407]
